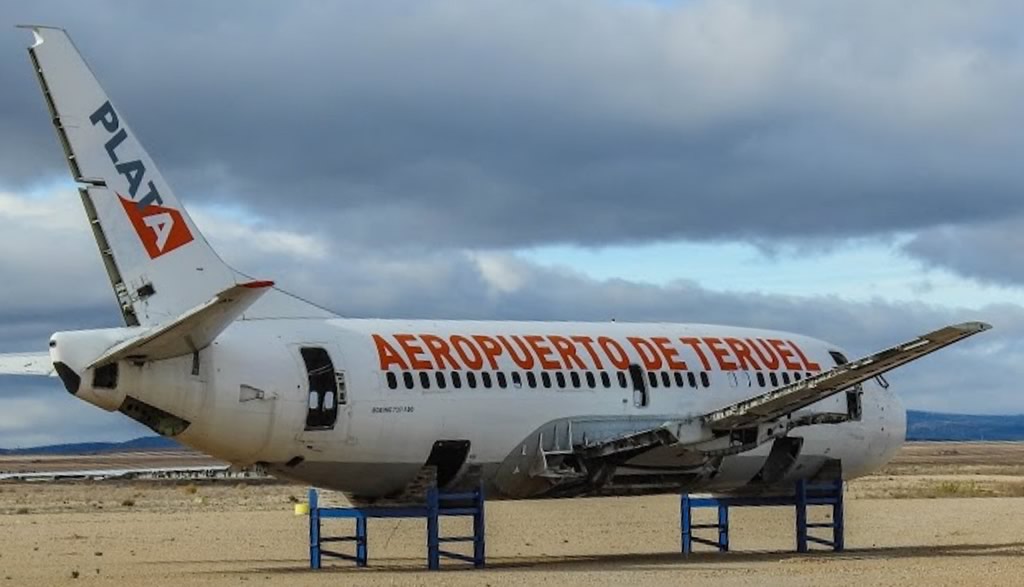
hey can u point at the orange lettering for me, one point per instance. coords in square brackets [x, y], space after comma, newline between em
[492, 350]
[786, 354]
[412, 351]
[614, 351]
[567, 350]
[524, 362]
[648, 354]
[808, 364]
[588, 343]
[440, 351]
[468, 352]
[669, 352]
[542, 352]
[694, 343]
[742, 353]
[387, 354]
[768, 358]
[721, 354]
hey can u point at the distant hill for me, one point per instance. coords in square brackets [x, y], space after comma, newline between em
[142, 443]
[936, 426]
[920, 426]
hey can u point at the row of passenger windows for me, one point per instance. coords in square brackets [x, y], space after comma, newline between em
[588, 379]
[504, 380]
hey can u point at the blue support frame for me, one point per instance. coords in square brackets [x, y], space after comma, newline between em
[827, 493]
[438, 505]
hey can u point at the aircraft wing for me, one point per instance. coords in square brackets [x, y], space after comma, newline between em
[38, 364]
[571, 456]
[785, 400]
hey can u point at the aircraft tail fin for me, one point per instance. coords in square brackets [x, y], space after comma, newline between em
[158, 262]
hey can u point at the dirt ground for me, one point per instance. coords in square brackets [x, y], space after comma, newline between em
[929, 518]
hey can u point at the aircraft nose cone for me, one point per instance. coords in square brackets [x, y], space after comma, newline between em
[71, 379]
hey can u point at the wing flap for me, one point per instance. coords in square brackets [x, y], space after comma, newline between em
[38, 364]
[787, 399]
[192, 331]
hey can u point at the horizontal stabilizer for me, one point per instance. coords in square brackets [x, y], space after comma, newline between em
[789, 398]
[26, 364]
[192, 331]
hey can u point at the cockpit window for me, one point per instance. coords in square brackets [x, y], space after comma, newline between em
[838, 357]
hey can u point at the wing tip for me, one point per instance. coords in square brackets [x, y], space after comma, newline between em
[258, 284]
[973, 326]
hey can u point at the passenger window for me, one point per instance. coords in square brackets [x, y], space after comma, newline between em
[424, 380]
[591, 382]
[760, 378]
[517, 379]
[440, 380]
[486, 377]
[560, 380]
[502, 381]
[796, 377]
[691, 377]
[531, 379]
[666, 380]
[679, 379]
[407, 376]
[471, 380]
[704, 379]
[605, 379]
[785, 377]
[392, 380]
[575, 377]
[774, 378]
[621, 376]
[545, 378]
[652, 378]
[456, 380]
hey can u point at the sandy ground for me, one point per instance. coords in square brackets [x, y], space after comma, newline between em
[228, 533]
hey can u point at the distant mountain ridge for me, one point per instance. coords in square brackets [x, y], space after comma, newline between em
[932, 426]
[141, 443]
[962, 427]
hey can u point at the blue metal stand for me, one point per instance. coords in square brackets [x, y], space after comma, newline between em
[438, 505]
[828, 493]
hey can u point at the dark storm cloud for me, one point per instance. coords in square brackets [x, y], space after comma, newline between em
[501, 124]
[988, 252]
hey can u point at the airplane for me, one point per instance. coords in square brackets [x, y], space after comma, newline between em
[250, 374]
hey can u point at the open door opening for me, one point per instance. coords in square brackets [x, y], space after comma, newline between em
[324, 392]
[780, 461]
[640, 394]
[448, 456]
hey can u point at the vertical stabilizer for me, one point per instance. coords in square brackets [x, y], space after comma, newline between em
[158, 262]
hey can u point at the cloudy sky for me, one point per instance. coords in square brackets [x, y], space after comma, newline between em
[849, 170]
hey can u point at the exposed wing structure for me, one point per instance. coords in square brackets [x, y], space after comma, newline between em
[571, 456]
[785, 400]
[38, 364]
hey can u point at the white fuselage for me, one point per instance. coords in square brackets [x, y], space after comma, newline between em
[247, 397]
